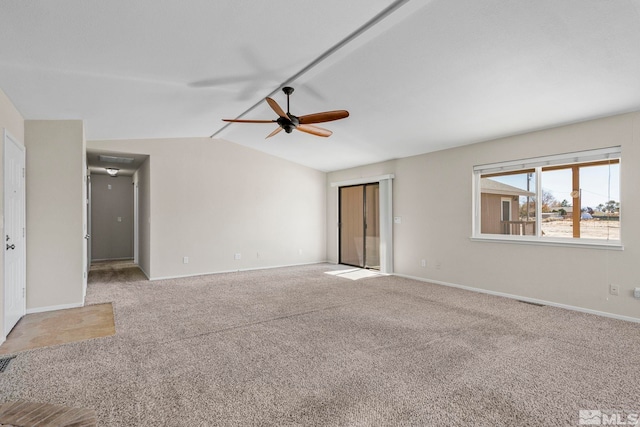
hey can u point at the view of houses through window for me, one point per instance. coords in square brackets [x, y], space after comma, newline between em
[561, 200]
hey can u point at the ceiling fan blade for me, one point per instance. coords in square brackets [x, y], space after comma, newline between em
[275, 107]
[314, 130]
[326, 116]
[278, 129]
[247, 121]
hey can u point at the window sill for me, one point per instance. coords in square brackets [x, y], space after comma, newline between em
[520, 240]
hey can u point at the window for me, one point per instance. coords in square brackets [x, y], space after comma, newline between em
[570, 198]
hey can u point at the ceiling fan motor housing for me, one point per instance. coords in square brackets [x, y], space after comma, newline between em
[288, 124]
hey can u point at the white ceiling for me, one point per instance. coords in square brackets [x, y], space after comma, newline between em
[427, 76]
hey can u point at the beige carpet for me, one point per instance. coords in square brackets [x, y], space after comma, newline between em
[297, 347]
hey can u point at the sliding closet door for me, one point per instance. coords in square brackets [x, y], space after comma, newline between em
[352, 225]
[360, 226]
[372, 226]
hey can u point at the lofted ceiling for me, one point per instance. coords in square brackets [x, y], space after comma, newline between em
[416, 75]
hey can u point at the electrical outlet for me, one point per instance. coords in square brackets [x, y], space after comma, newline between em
[424, 263]
[636, 293]
[237, 256]
[185, 260]
[614, 289]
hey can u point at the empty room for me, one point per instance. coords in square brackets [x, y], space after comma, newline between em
[363, 213]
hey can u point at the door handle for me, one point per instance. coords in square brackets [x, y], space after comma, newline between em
[12, 246]
[86, 236]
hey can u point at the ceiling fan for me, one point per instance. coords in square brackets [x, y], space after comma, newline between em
[289, 122]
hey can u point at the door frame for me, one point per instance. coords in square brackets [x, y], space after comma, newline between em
[9, 139]
[502, 200]
[136, 226]
[87, 232]
[386, 216]
[365, 222]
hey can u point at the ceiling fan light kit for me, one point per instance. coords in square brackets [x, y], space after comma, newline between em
[289, 122]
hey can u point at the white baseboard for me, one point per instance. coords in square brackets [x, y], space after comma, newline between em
[54, 307]
[2, 340]
[233, 271]
[527, 299]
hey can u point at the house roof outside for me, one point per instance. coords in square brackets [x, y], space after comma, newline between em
[494, 187]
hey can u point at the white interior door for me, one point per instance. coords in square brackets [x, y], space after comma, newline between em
[14, 229]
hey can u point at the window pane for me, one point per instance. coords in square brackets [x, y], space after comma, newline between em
[600, 202]
[557, 203]
[575, 196]
[596, 201]
[507, 204]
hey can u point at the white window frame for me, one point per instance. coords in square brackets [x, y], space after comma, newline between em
[538, 164]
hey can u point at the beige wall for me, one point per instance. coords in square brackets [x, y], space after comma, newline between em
[111, 217]
[211, 199]
[432, 195]
[55, 206]
[13, 122]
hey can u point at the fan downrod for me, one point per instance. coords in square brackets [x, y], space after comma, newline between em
[288, 90]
